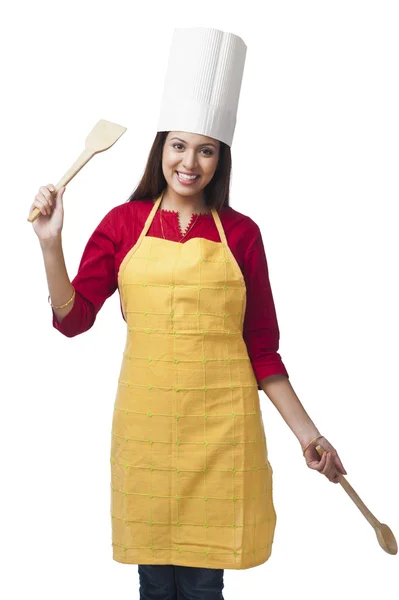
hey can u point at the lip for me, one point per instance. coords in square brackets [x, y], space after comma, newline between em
[185, 173]
[186, 182]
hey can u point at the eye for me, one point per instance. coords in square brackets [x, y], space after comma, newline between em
[207, 151]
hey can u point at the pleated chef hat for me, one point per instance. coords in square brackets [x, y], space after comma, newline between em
[202, 83]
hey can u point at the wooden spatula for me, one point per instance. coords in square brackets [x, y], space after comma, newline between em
[385, 537]
[103, 135]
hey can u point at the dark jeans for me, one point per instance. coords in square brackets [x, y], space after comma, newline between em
[170, 582]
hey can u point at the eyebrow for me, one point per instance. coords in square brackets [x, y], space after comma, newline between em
[206, 144]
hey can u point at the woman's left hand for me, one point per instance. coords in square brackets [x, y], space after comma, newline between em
[329, 464]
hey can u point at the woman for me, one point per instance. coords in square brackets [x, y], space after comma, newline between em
[191, 480]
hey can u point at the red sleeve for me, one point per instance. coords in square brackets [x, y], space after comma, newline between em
[261, 332]
[95, 281]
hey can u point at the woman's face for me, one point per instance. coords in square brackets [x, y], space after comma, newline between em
[190, 154]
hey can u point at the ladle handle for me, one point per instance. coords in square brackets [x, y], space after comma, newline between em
[77, 165]
[356, 499]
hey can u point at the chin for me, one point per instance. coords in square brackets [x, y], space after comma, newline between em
[182, 190]
[185, 191]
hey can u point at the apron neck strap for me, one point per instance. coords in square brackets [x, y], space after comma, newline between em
[219, 225]
[150, 217]
[154, 209]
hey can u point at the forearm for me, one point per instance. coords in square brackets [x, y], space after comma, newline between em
[59, 285]
[279, 390]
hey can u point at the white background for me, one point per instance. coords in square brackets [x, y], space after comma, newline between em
[315, 164]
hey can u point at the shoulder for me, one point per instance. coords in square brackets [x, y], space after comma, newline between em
[124, 209]
[237, 223]
[126, 213]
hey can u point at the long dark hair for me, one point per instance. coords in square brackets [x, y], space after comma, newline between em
[153, 182]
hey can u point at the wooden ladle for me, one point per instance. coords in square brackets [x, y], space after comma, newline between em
[385, 537]
[103, 135]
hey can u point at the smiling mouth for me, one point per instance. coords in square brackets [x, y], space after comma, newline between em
[185, 177]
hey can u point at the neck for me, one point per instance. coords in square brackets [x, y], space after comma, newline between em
[183, 204]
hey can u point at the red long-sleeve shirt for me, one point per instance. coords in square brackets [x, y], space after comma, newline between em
[117, 233]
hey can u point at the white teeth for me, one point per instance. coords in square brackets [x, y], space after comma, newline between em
[186, 176]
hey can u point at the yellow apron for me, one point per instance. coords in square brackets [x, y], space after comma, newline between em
[191, 483]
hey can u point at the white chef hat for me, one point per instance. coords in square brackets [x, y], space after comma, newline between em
[203, 82]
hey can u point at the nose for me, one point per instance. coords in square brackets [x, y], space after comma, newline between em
[189, 160]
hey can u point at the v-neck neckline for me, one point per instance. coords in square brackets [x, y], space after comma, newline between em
[190, 222]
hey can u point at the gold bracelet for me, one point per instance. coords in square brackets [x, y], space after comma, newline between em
[311, 442]
[66, 303]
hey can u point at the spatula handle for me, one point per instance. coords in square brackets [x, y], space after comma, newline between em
[77, 165]
[354, 496]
